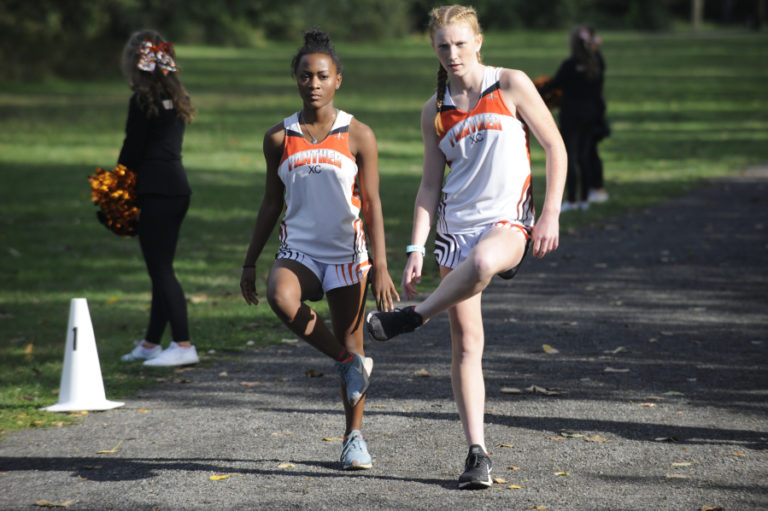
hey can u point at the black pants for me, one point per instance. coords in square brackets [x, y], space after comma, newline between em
[581, 145]
[159, 225]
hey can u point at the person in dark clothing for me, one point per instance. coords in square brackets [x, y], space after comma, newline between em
[158, 112]
[582, 109]
[597, 191]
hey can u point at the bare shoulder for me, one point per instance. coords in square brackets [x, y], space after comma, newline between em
[274, 138]
[360, 131]
[514, 79]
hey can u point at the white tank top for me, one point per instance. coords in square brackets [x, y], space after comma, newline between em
[487, 150]
[322, 196]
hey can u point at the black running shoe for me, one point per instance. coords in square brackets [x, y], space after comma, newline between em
[385, 325]
[477, 470]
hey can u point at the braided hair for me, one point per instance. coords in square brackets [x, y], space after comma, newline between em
[316, 41]
[152, 87]
[441, 17]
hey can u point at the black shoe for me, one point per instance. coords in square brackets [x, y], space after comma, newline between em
[385, 325]
[477, 470]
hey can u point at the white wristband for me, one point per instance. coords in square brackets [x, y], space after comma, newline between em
[415, 248]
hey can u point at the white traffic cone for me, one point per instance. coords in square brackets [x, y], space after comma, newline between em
[81, 385]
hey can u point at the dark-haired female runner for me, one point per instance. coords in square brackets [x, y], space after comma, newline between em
[322, 169]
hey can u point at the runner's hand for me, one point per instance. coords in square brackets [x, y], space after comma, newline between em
[248, 286]
[412, 274]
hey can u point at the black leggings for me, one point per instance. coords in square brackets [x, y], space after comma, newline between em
[580, 141]
[159, 225]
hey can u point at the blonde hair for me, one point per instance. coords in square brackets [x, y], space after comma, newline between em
[441, 17]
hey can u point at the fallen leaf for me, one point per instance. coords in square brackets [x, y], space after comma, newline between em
[286, 465]
[45, 503]
[683, 464]
[505, 445]
[513, 468]
[499, 480]
[29, 348]
[313, 373]
[538, 508]
[423, 373]
[616, 351]
[289, 341]
[510, 390]
[514, 487]
[556, 438]
[113, 299]
[198, 298]
[673, 393]
[332, 439]
[739, 453]
[219, 477]
[647, 405]
[143, 410]
[597, 439]
[535, 389]
[562, 473]
[111, 451]
[570, 434]
[249, 383]
[711, 508]
[549, 349]
[223, 374]
[615, 370]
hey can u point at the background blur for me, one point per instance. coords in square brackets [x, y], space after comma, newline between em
[42, 38]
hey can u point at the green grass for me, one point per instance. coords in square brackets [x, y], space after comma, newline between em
[683, 107]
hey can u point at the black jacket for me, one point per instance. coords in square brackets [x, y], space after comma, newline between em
[152, 149]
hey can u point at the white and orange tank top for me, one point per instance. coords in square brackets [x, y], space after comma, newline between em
[487, 150]
[322, 196]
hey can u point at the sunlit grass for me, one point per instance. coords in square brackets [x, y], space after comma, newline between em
[682, 106]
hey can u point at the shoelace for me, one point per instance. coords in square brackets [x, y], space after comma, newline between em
[474, 460]
[353, 444]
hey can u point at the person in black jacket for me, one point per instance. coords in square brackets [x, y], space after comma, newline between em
[158, 112]
[582, 110]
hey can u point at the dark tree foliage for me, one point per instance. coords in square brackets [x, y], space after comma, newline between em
[83, 37]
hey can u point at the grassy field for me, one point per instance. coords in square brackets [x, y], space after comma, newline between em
[683, 107]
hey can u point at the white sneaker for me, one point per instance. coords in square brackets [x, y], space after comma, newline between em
[598, 196]
[142, 353]
[175, 355]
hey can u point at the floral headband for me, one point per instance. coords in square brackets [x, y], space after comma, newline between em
[156, 55]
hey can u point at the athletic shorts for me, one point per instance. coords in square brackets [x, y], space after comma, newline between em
[331, 276]
[452, 249]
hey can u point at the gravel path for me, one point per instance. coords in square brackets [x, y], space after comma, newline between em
[656, 398]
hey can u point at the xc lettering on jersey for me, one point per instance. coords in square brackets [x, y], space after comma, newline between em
[315, 157]
[474, 128]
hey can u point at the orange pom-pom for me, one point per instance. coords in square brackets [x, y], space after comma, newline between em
[552, 97]
[114, 192]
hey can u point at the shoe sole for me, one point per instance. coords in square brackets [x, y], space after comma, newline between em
[358, 466]
[191, 362]
[476, 485]
[370, 328]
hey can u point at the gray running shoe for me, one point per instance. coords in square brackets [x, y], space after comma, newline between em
[355, 374]
[477, 470]
[354, 452]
